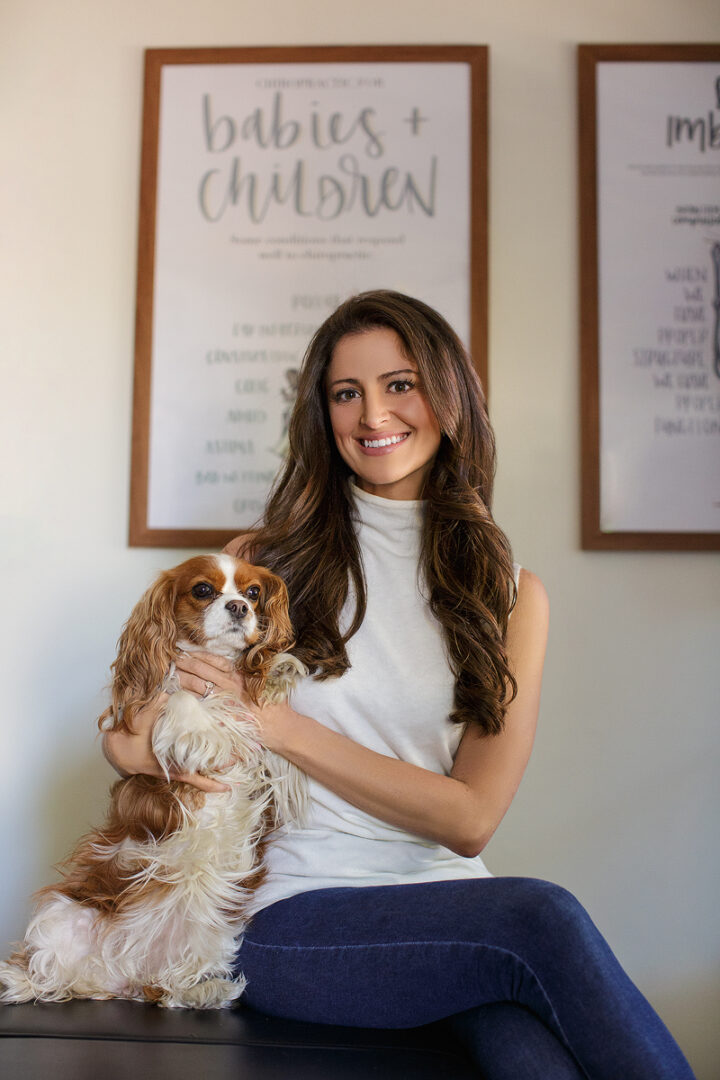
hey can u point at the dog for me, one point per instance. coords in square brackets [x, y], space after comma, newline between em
[151, 905]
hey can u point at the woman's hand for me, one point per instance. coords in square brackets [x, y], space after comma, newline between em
[203, 674]
[131, 752]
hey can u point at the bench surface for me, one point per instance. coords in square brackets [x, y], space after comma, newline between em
[117, 1040]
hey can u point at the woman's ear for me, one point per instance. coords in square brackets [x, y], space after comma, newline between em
[276, 633]
[145, 652]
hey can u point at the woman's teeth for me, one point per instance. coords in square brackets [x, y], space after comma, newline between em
[374, 443]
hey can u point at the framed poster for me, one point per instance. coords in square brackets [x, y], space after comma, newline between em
[650, 295]
[275, 183]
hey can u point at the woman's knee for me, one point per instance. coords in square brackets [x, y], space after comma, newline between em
[549, 913]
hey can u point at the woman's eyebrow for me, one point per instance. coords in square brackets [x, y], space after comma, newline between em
[385, 375]
[349, 379]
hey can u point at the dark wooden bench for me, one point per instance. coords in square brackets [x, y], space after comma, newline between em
[115, 1040]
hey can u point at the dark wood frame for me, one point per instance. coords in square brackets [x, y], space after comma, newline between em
[475, 56]
[592, 536]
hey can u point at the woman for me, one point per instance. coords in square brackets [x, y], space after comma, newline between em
[426, 649]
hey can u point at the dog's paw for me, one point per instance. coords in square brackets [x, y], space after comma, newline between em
[15, 985]
[208, 994]
[285, 672]
[192, 735]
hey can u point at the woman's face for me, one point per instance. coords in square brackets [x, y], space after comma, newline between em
[383, 425]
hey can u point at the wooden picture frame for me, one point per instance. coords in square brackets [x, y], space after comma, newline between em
[650, 455]
[199, 106]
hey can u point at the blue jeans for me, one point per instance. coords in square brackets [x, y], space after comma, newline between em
[404, 955]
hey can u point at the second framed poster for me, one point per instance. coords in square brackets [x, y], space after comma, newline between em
[650, 295]
[275, 183]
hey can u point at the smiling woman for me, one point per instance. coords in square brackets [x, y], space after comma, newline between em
[381, 419]
[425, 648]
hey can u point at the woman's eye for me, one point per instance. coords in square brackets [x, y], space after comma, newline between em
[202, 590]
[253, 592]
[346, 394]
[401, 386]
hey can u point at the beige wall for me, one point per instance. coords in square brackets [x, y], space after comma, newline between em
[620, 802]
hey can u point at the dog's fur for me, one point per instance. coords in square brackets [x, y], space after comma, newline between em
[151, 905]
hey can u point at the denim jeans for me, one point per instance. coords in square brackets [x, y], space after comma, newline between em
[405, 955]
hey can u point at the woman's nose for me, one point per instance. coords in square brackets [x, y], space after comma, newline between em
[374, 411]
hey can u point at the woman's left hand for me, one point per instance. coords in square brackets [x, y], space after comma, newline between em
[203, 674]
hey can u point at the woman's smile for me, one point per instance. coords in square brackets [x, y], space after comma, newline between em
[381, 419]
[387, 443]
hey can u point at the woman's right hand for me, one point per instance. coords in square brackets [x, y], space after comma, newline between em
[131, 752]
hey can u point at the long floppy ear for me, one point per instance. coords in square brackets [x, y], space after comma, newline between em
[276, 633]
[146, 649]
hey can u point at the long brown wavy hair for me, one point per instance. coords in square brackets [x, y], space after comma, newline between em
[308, 536]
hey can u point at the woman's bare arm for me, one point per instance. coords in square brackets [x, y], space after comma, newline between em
[460, 811]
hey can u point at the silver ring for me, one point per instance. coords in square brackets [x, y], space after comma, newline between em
[209, 687]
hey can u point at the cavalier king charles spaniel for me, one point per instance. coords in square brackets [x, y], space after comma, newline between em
[151, 905]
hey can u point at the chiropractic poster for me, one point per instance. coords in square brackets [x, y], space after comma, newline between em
[658, 299]
[275, 184]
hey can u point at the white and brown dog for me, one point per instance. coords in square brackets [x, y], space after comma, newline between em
[151, 904]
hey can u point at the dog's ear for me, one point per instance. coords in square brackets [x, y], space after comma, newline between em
[145, 651]
[276, 633]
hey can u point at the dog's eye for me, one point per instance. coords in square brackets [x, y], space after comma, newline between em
[202, 590]
[253, 592]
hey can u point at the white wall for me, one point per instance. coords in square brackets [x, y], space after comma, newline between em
[620, 803]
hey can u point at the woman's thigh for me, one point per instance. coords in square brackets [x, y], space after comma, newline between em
[400, 955]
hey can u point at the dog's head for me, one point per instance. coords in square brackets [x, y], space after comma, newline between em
[217, 603]
[224, 605]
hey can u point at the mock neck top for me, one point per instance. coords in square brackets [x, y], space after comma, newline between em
[393, 525]
[395, 699]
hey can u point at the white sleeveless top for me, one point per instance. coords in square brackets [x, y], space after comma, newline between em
[395, 699]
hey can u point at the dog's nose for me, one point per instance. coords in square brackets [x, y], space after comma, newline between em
[237, 608]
